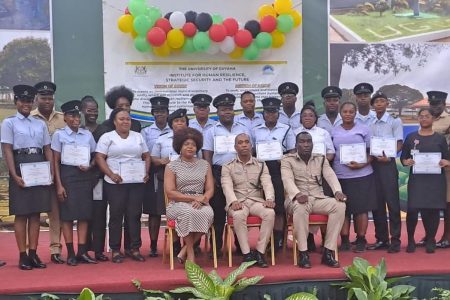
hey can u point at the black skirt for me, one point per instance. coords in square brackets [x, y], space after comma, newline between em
[361, 194]
[29, 200]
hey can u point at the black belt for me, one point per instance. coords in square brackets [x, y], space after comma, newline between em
[31, 150]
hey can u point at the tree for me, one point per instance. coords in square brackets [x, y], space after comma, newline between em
[25, 61]
[401, 96]
[381, 6]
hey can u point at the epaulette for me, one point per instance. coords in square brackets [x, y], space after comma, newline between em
[259, 125]
[394, 116]
[231, 161]
[10, 117]
[164, 133]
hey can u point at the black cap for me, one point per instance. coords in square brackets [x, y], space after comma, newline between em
[159, 102]
[287, 88]
[434, 97]
[24, 92]
[224, 100]
[201, 100]
[179, 113]
[271, 104]
[45, 88]
[363, 88]
[377, 95]
[331, 92]
[73, 106]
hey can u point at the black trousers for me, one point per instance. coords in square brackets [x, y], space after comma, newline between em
[218, 203]
[98, 225]
[386, 180]
[125, 201]
[430, 220]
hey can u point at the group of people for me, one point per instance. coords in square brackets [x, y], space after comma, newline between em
[278, 165]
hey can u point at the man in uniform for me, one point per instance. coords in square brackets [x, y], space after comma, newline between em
[55, 120]
[249, 191]
[363, 91]
[331, 118]
[249, 118]
[302, 175]
[201, 122]
[218, 149]
[289, 115]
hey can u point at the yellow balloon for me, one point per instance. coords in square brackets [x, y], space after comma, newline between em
[175, 39]
[134, 34]
[125, 23]
[236, 53]
[278, 39]
[163, 50]
[266, 10]
[282, 6]
[296, 16]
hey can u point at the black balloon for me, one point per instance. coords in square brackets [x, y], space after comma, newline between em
[254, 27]
[167, 16]
[190, 16]
[203, 21]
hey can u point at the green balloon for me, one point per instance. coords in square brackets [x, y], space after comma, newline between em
[188, 46]
[285, 23]
[263, 40]
[142, 24]
[201, 41]
[251, 52]
[217, 19]
[137, 7]
[153, 12]
[141, 44]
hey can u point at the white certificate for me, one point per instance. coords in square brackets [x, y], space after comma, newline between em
[353, 152]
[34, 174]
[319, 148]
[132, 171]
[224, 144]
[268, 150]
[427, 163]
[75, 155]
[386, 144]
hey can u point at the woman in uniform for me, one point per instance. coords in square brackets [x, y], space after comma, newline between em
[25, 139]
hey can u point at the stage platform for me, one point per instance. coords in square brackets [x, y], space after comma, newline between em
[427, 270]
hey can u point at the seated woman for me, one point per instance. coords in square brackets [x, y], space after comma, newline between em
[188, 184]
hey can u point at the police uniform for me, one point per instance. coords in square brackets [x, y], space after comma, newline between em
[364, 88]
[201, 100]
[323, 121]
[28, 136]
[294, 119]
[250, 123]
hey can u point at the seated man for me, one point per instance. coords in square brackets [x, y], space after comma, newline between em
[302, 175]
[248, 190]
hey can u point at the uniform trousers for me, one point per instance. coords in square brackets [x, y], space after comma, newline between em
[98, 225]
[54, 223]
[254, 208]
[218, 203]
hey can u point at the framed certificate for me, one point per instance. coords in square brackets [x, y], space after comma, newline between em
[75, 155]
[427, 163]
[319, 148]
[132, 171]
[353, 152]
[34, 174]
[224, 144]
[269, 150]
[380, 144]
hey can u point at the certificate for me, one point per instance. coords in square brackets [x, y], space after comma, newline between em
[386, 144]
[34, 174]
[427, 163]
[353, 152]
[268, 150]
[132, 171]
[75, 155]
[224, 144]
[319, 148]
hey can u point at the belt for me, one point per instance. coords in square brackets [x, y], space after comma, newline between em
[31, 150]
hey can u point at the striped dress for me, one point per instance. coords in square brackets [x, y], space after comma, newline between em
[190, 179]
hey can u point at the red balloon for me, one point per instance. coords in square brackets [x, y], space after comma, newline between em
[156, 36]
[127, 12]
[217, 32]
[189, 29]
[164, 24]
[231, 25]
[268, 24]
[243, 38]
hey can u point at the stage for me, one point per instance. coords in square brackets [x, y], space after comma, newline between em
[116, 279]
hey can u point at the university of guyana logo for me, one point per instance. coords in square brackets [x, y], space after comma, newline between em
[140, 70]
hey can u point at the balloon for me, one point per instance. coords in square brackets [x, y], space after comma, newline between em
[127, 12]
[214, 48]
[231, 25]
[243, 38]
[188, 46]
[278, 39]
[251, 52]
[167, 16]
[282, 6]
[189, 29]
[125, 23]
[236, 53]
[201, 41]
[263, 40]
[285, 23]
[190, 16]
[296, 16]
[266, 10]
[268, 23]
[203, 21]
[175, 38]
[163, 50]
[253, 26]
[137, 7]
[156, 36]
[227, 46]
[153, 12]
[142, 24]
[164, 24]
[217, 32]
[134, 34]
[217, 19]
[141, 44]
[177, 19]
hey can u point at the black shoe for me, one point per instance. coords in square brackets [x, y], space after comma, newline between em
[117, 257]
[304, 261]
[25, 264]
[443, 244]
[430, 246]
[2, 263]
[360, 246]
[154, 253]
[311, 243]
[345, 246]
[37, 263]
[86, 259]
[136, 255]
[421, 243]
[127, 253]
[328, 258]
[101, 257]
[353, 243]
[394, 248]
[260, 261]
[248, 257]
[379, 245]
[57, 259]
[411, 248]
[72, 261]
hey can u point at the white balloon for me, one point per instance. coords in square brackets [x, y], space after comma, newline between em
[213, 48]
[227, 45]
[177, 19]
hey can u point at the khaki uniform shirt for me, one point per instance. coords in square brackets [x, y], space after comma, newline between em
[240, 181]
[306, 179]
[442, 125]
[56, 120]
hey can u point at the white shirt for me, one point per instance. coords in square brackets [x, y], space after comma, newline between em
[319, 136]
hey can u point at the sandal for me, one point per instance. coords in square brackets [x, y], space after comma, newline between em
[116, 258]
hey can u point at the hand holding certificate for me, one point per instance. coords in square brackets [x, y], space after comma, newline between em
[353, 153]
[224, 144]
[34, 174]
[268, 150]
[378, 145]
[132, 171]
[75, 155]
[427, 163]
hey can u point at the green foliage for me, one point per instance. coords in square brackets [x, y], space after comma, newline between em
[441, 294]
[86, 294]
[148, 293]
[298, 296]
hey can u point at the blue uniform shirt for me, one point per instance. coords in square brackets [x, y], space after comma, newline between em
[281, 132]
[24, 132]
[152, 133]
[82, 137]
[293, 121]
[387, 126]
[325, 123]
[163, 146]
[193, 123]
[249, 123]
[365, 120]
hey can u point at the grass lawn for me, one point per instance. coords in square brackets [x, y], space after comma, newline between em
[374, 28]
